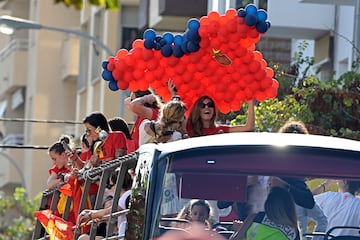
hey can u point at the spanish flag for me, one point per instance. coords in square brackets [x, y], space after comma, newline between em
[56, 227]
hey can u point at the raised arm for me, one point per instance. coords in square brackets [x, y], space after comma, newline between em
[250, 121]
[138, 105]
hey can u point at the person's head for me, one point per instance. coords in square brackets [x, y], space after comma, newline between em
[119, 124]
[203, 110]
[292, 126]
[173, 114]
[57, 151]
[171, 118]
[93, 123]
[200, 211]
[128, 180]
[85, 144]
[280, 207]
[350, 186]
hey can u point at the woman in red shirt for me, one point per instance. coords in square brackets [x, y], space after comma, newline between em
[202, 119]
[60, 160]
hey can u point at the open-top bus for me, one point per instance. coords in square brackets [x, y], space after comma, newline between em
[216, 168]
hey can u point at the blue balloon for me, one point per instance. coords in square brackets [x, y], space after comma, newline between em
[158, 38]
[193, 23]
[184, 46]
[107, 75]
[157, 46]
[168, 37]
[149, 44]
[261, 27]
[261, 14]
[251, 8]
[192, 47]
[251, 19]
[192, 35]
[166, 50]
[178, 39]
[104, 64]
[113, 86]
[177, 52]
[241, 12]
[268, 24]
[149, 34]
[162, 42]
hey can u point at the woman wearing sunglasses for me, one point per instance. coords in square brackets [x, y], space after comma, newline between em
[202, 119]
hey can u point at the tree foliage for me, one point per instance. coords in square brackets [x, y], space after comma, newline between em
[79, 4]
[326, 106]
[17, 218]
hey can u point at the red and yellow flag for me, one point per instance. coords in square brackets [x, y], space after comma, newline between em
[56, 227]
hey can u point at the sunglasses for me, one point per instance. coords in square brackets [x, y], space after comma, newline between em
[209, 105]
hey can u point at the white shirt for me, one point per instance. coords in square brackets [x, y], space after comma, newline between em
[144, 137]
[341, 209]
[122, 218]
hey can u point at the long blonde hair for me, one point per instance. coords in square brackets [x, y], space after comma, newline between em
[280, 207]
[170, 113]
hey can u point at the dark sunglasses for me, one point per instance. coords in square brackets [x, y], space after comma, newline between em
[209, 104]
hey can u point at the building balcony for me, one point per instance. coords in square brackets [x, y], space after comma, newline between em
[13, 66]
[170, 14]
[300, 20]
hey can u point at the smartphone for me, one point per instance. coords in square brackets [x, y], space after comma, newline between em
[66, 146]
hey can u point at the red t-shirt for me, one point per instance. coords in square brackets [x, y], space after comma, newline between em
[85, 156]
[115, 140]
[130, 143]
[57, 170]
[209, 131]
[135, 129]
[217, 130]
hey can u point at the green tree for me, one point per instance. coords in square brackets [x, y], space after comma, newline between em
[17, 219]
[79, 4]
[327, 106]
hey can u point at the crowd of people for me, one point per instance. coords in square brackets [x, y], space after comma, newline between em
[282, 212]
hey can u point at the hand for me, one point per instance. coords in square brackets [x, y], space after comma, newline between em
[84, 217]
[172, 88]
[94, 160]
[71, 155]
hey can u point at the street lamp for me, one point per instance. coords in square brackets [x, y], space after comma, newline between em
[8, 24]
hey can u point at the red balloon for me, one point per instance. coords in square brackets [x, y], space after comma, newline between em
[269, 72]
[138, 43]
[123, 85]
[213, 15]
[254, 66]
[147, 54]
[173, 61]
[117, 74]
[121, 53]
[138, 74]
[204, 21]
[111, 66]
[258, 56]
[231, 13]
[152, 64]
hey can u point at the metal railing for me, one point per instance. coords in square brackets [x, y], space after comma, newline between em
[98, 175]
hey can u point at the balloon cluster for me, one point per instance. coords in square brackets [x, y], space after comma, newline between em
[215, 56]
[255, 17]
[176, 45]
